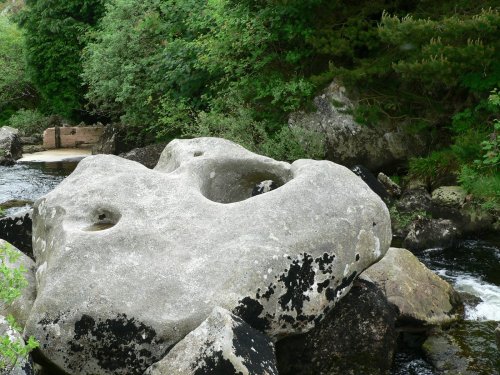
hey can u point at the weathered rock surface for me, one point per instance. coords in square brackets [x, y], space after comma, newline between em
[25, 366]
[17, 230]
[147, 156]
[350, 143]
[371, 181]
[21, 306]
[449, 196]
[466, 348]
[415, 200]
[113, 141]
[222, 344]
[139, 258]
[419, 294]
[10, 145]
[426, 233]
[357, 337]
[392, 188]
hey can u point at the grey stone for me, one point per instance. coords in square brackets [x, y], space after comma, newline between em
[391, 187]
[357, 337]
[415, 200]
[450, 196]
[10, 146]
[419, 294]
[147, 156]
[21, 306]
[426, 233]
[157, 250]
[23, 366]
[222, 344]
[350, 143]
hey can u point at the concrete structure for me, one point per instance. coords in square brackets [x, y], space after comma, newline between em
[71, 137]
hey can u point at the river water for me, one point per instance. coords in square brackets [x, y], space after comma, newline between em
[472, 267]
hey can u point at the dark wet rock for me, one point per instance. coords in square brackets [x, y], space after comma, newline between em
[14, 203]
[371, 181]
[10, 146]
[414, 200]
[17, 230]
[349, 143]
[421, 296]
[159, 249]
[466, 348]
[113, 141]
[392, 188]
[24, 366]
[497, 336]
[21, 306]
[425, 233]
[222, 344]
[357, 337]
[147, 156]
[470, 299]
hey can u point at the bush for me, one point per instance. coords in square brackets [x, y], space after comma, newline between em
[29, 122]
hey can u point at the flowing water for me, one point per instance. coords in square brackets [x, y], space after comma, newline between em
[472, 267]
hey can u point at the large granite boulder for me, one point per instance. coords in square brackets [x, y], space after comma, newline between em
[138, 258]
[222, 344]
[357, 337]
[21, 306]
[350, 143]
[421, 297]
[11, 148]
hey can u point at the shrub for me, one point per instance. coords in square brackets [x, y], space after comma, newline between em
[29, 121]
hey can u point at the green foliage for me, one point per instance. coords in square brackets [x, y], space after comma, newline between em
[54, 42]
[403, 219]
[15, 88]
[434, 168]
[12, 281]
[29, 122]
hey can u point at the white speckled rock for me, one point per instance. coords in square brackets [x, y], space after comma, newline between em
[222, 344]
[21, 306]
[130, 259]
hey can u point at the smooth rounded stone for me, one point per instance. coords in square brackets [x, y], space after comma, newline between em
[17, 229]
[350, 143]
[419, 294]
[357, 337]
[390, 186]
[449, 196]
[426, 233]
[21, 306]
[156, 250]
[24, 366]
[10, 145]
[222, 344]
[147, 156]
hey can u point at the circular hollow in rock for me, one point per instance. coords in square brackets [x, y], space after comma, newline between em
[102, 219]
[234, 181]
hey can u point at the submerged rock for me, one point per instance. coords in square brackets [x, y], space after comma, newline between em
[420, 295]
[139, 258]
[357, 337]
[222, 344]
[426, 233]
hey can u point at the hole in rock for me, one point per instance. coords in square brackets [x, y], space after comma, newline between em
[235, 181]
[102, 219]
[198, 153]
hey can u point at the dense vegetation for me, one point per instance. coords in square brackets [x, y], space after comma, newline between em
[237, 69]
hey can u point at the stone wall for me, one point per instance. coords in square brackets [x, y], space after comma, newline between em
[71, 137]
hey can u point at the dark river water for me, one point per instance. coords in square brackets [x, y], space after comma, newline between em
[473, 267]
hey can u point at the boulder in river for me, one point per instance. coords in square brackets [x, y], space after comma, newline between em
[21, 306]
[139, 258]
[357, 337]
[11, 148]
[425, 233]
[420, 295]
[222, 344]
